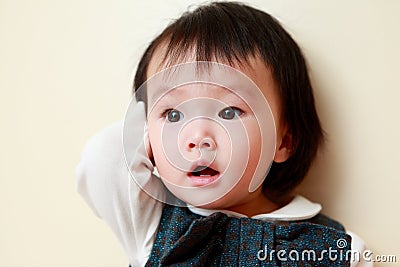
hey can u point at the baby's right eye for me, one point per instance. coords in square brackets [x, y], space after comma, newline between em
[173, 115]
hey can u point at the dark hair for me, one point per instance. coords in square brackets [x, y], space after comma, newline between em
[233, 32]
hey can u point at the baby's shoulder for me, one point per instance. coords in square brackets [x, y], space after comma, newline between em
[358, 246]
[325, 220]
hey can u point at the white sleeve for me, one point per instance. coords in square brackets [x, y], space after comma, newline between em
[358, 247]
[103, 180]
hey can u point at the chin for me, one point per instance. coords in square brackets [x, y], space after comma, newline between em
[220, 204]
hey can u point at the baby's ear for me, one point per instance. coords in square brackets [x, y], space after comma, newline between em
[284, 147]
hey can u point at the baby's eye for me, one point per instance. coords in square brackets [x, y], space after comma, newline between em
[230, 113]
[173, 115]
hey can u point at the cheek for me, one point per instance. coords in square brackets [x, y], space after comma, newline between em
[254, 141]
[155, 141]
[164, 167]
[161, 162]
[253, 132]
[278, 119]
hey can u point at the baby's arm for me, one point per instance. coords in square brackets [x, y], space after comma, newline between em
[104, 182]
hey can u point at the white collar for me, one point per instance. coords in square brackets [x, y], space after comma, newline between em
[299, 208]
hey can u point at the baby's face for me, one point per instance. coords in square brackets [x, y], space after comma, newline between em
[207, 141]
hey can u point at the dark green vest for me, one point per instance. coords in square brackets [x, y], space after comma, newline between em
[188, 239]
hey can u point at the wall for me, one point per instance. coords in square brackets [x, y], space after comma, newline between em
[66, 71]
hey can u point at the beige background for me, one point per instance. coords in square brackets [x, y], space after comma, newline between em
[66, 69]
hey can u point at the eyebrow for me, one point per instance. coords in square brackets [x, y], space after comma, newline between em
[226, 96]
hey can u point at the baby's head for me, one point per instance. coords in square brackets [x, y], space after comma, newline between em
[253, 43]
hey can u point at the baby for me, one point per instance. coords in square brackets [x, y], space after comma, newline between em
[227, 108]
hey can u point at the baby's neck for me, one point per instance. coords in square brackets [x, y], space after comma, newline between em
[259, 205]
[252, 209]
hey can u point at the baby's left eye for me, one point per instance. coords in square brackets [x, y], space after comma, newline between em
[173, 115]
[230, 113]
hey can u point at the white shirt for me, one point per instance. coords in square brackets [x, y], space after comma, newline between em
[105, 183]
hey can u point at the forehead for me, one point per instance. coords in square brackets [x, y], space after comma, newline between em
[186, 92]
[252, 67]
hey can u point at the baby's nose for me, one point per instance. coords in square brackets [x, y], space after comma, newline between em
[206, 143]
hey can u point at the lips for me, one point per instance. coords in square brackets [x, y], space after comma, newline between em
[202, 175]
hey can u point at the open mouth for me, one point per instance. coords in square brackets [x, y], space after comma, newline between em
[203, 175]
[203, 171]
